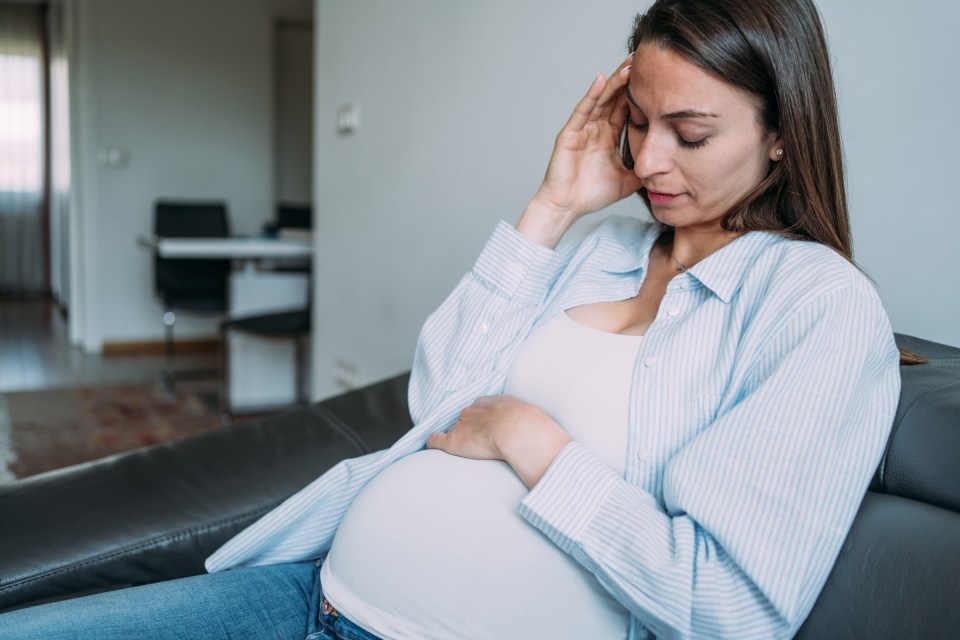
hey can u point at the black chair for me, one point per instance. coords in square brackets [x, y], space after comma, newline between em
[290, 216]
[288, 324]
[195, 285]
[293, 324]
[299, 219]
[294, 216]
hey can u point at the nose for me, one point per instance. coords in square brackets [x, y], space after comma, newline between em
[651, 154]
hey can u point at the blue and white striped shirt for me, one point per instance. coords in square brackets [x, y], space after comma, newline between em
[763, 395]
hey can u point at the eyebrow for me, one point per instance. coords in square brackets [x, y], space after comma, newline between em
[677, 115]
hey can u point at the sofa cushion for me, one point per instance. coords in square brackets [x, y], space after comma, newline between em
[156, 513]
[378, 414]
[922, 459]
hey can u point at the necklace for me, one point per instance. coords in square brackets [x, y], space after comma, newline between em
[680, 265]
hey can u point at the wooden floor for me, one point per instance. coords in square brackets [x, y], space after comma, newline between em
[35, 353]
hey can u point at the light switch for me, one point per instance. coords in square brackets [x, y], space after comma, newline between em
[348, 118]
[114, 157]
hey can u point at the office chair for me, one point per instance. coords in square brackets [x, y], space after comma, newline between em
[294, 216]
[290, 216]
[294, 324]
[291, 324]
[198, 286]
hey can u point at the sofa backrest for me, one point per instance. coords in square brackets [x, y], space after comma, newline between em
[922, 460]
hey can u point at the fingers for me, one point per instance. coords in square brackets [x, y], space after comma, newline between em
[597, 103]
[584, 109]
[620, 112]
[613, 93]
[437, 441]
[466, 441]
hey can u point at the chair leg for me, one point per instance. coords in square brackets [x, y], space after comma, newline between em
[169, 318]
[300, 396]
[226, 418]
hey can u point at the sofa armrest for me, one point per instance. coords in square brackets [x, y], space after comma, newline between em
[157, 513]
[896, 575]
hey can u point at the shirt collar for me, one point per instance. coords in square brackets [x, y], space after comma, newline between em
[723, 271]
[639, 242]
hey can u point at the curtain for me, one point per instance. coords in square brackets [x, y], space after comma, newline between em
[22, 144]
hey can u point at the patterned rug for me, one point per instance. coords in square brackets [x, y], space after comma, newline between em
[44, 430]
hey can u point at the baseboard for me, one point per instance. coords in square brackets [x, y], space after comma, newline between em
[154, 347]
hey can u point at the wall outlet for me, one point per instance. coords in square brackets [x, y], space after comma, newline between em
[346, 374]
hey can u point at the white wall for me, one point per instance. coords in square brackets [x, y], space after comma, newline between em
[898, 82]
[185, 88]
[460, 104]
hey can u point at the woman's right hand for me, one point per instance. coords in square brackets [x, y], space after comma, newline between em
[586, 172]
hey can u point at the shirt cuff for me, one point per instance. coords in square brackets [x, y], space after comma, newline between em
[516, 265]
[568, 496]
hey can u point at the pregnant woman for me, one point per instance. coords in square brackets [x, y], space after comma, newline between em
[664, 430]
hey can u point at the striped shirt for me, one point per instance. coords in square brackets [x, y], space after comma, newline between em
[762, 397]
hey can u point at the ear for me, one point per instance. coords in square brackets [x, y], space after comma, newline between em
[777, 150]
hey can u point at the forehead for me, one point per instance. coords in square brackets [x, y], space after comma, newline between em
[663, 81]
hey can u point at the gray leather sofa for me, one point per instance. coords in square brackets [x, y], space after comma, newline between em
[156, 513]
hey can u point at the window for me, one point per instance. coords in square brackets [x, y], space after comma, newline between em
[22, 150]
[21, 121]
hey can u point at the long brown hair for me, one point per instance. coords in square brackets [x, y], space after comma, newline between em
[776, 51]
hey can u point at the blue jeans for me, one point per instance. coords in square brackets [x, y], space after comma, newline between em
[276, 601]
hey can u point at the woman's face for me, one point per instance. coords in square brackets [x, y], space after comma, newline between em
[696, 141]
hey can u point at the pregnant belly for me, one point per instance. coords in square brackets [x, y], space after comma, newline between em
[434, 547]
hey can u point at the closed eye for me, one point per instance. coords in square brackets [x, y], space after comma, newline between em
[686, 144]
[692, 144]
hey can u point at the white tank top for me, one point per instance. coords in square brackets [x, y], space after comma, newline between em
[434, 546]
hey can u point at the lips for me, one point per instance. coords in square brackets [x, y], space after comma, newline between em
[657, 197]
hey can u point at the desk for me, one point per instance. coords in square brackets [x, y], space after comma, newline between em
[261, 369]
[236, 248]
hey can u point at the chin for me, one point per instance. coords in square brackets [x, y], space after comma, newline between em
[669, 218]
[678, 220]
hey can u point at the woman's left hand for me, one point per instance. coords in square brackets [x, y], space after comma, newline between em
[505, 428]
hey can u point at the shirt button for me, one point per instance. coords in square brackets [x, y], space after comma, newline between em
[684, 284]
[673, 311]
[517, 269]
[484, 328]
[643, 455]
[650, 362]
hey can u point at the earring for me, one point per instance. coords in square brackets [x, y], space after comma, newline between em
[779, 153]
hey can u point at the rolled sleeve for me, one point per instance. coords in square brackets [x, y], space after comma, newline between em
[575, 478]
[515, 265]
[491, 308]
